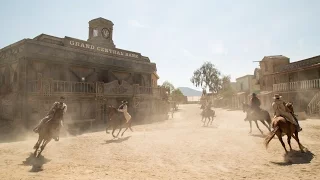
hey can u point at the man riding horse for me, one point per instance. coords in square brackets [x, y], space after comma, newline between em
[255, 105]
[280, 109]
[50, 115]
[124, 109]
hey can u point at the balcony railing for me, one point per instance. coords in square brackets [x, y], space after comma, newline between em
[49, 86]
[298, 85]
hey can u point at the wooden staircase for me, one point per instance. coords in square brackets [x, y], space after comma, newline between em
[314, 105]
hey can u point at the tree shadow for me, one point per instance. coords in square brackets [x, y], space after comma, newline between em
[117, 140]
[36, 163]
[296, 157]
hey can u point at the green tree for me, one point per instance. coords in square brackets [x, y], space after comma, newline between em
[177, 95]
[168, 85]
[207, 77]
[226, 89]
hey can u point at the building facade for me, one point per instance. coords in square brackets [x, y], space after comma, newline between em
[299, 82]
[91, 74]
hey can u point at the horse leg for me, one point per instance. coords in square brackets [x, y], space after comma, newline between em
[258, 127]
[265, 124]
[280, 139]
[113, 129]
[119, 128]
[296, 137]
[208, 121]
[250, 126]
[204, 122]
[211, 120]
[36, 147]
[43, 146]
[107, 129]
[289, 141]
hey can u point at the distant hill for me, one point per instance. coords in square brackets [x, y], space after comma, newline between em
[189, 92]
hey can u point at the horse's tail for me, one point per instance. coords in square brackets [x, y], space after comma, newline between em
[270, 136]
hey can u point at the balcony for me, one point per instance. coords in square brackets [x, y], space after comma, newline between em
[297, 86]
[54, 87]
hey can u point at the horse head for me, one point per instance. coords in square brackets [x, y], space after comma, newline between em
[111, 111]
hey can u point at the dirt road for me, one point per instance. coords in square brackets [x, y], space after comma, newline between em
[178, 148]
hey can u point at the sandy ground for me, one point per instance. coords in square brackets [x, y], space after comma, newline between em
[179, 148]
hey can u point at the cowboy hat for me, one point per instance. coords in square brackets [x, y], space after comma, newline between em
[277, 96]
[124, 102]
[62, 97]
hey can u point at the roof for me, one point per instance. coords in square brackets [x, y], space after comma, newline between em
[275, 57]
[313, 61]
[248, 75]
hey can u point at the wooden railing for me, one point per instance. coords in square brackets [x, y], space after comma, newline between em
[298, 85]
[49, 86]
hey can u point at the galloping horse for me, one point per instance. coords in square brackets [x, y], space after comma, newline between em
[116, 119]
[283, 127]
[47, 131]
[207, 114]
[263, 117]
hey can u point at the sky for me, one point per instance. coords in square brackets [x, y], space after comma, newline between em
[179, 35]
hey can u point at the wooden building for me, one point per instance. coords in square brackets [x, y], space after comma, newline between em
[90, 74]
[297, 82]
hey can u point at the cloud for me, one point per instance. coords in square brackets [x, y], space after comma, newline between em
[137, 24]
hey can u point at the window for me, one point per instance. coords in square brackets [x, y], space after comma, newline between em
[241, 86]
[95, 32]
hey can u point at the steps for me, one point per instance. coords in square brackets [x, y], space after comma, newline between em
[314, 105]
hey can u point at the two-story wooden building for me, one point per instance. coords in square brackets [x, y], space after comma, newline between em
[298, 82]
[90, 74]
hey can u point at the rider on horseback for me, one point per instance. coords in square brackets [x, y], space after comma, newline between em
[50, 114]
[124, 109]
[255, 105]
[280, 109]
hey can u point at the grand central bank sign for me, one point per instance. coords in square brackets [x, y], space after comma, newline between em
[102, 49]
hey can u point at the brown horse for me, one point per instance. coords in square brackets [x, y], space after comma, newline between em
[283, 127]
[116, 119]
[47, 131]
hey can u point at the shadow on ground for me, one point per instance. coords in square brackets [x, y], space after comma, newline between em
[117, 140]
[36, 163]
[296, 157]
[259, 135]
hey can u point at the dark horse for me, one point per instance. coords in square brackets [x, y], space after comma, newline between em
[116, 119]
[210, 114]
[283, 127]
[47, 131]
[263, 117]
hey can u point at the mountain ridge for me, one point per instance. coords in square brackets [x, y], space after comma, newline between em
[189, 91]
